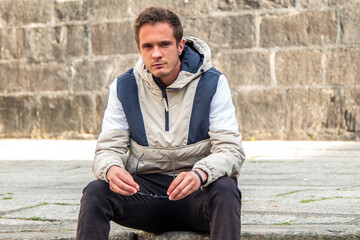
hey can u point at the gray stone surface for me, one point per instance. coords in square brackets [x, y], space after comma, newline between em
[97, 74]
[312, 109]
[25, 76]
[350, 17]
[12, 43]
[58, 43]
[251, 68]
[298, 29]
[291, 190]
[235, 5]
[14, 13]
[343, 66]
[222, 32]
[294, 68]
[105, 10]
[17, 115]
[113, 38]
[66, 11]
[53, 111]
[184, 8]
[266, 102]
[313, 4]
[352, 109]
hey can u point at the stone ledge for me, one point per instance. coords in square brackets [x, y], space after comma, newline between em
[267, 235]
[140, 235]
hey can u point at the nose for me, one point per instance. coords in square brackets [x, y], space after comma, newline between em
[156, 52]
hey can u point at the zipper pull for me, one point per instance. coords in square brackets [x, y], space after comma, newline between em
[165, 104]
[164, 100]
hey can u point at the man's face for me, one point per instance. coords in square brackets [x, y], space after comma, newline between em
[158, 49]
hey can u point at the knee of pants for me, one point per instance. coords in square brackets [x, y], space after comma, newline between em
[225, 189]
[95, 191]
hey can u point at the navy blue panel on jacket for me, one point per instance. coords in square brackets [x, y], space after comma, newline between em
[191, 59]
[199, 122]
[127, 93]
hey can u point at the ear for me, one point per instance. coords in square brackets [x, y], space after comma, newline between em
[181, 46]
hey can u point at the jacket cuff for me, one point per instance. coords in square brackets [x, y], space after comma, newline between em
[207, 171]
[106, 168]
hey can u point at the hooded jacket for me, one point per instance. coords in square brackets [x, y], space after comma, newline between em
[189, 124]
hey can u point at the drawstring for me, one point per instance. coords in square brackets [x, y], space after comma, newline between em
[174, 167]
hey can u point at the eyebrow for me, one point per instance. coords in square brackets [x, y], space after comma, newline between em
[161, 42]
[145, 44]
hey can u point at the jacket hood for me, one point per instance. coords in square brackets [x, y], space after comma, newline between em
[195, 59]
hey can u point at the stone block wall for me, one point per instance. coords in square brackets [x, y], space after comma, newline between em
[293, 65]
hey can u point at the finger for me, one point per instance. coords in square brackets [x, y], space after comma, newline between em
[182, 190]
[189, 184]
[175, 183]
[116, 189]
[118, 184]
[116, 174]
[129, 180]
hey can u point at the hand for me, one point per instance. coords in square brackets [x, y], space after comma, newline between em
[121, 181]
[184, 184]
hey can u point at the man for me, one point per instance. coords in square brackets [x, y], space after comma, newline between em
[169, 151]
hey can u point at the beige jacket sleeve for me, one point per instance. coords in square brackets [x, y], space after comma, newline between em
[111, 149]
[226, 158]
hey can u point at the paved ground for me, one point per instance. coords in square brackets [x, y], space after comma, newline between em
[291, 190]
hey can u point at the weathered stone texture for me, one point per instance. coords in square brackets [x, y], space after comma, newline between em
[91, 10]
[22, 12]
[310, 111]
[77, 40]
[24, 77]
[181, 235]
[17, 116]
[298, 29]
[343, 66]
[44, 43]
[57, 43]
[69, 11]
[235, 5]
[327, 3]
[350, 25]
[101, 103]
[59, 114]
[97, 74]
[182, 7]
[302, 67]
[105, 10]
[260, 111]
[352, 109]
[113, 38]
[12, 43]
[229, 32]
[246, 68]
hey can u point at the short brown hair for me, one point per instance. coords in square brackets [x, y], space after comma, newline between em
[154, 15]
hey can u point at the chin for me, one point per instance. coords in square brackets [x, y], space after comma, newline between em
[159, 74]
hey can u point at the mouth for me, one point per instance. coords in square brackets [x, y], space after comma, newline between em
[158, 65]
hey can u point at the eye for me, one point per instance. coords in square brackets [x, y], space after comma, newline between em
[164, 44]
[147, 46]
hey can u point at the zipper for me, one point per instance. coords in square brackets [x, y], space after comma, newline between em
[166, 106]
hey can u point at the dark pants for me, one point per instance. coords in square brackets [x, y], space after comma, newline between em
[215, 209]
